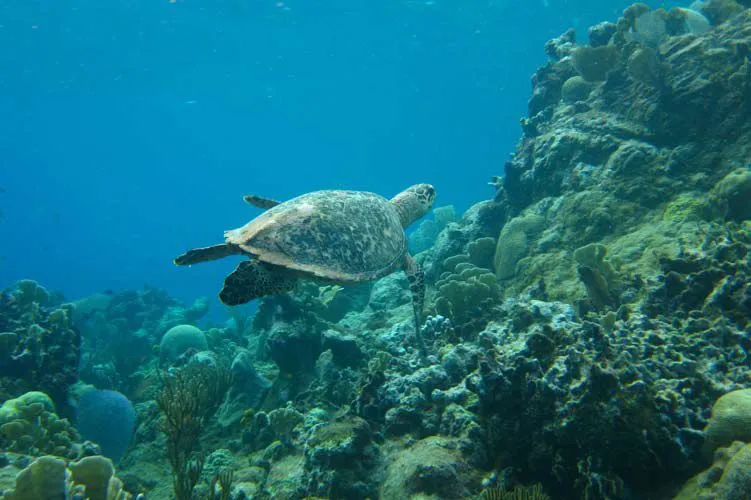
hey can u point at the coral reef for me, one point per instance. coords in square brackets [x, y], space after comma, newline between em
[586, 333]
[39, 345]
[119, 332]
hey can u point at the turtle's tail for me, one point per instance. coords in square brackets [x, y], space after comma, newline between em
[207, 253]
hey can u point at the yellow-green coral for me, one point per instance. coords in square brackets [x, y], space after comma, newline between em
[49, 477]
[462, 291]
[514, 241]
[28, 424]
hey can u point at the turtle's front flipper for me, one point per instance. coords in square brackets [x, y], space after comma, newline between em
[416, 278]
[252, 279]
[257, 201]
[207, 253]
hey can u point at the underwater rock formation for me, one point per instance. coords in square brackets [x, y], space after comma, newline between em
[628, 165]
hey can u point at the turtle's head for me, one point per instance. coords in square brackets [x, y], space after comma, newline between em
[414, 202]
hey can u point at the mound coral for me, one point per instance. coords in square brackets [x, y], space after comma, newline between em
[179, 339]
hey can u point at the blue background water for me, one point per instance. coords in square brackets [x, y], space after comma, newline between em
[129, 130]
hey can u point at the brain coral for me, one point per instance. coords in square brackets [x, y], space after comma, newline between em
[730, 421]
[179, 339]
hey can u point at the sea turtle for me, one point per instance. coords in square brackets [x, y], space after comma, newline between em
[330, 236]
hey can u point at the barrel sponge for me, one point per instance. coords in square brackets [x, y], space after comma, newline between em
[179, 339]
[106, 418]
[730, 420]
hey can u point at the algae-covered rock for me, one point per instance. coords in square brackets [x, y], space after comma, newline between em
[431, 468]
[338, 444]
[248, 390]
[283, 422]
[286, 479]
[594, 63]
[597, 274]
[686, 207]
[644, 65]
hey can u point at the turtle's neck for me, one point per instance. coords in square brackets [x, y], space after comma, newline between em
[407, 206]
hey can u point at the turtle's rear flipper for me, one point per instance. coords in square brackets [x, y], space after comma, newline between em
[207, 253]
[252, 279]
[258, 201]
[416, 278]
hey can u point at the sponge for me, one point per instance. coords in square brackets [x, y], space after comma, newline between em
[106, 418]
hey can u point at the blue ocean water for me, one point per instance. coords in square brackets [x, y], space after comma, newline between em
[131, 129]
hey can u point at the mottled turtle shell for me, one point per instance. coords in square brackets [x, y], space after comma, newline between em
[343, 236]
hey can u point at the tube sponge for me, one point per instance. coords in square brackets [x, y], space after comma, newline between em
[106, 418]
